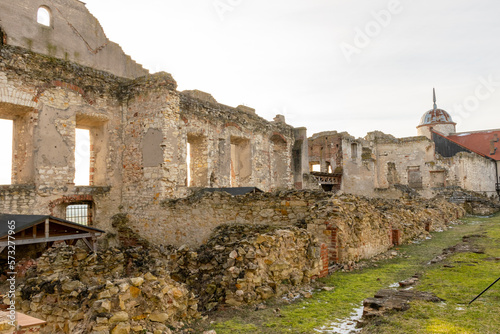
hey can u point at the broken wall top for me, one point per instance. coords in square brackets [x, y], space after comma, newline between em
[72, 33]
[216, 113]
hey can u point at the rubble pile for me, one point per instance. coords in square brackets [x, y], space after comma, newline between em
[246, 264]
[77, 292]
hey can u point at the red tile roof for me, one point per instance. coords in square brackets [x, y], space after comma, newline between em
[485, 143]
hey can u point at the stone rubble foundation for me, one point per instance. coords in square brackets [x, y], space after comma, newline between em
[149, 287]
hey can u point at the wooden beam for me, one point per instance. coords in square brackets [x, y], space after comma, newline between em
[94, 242]
[75, 226]
[87, 242]
[52, 235]
[34, 232]
[47, 228]
[51, 239]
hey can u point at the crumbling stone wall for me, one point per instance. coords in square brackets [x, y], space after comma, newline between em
[469, 171]
[381, 165]
[139, 132]
[258, 151]
[350, 227]
[47, 99]
[17, 199]
[325, 149]
[149, 287]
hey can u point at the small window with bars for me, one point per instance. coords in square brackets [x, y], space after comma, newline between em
[79, 213]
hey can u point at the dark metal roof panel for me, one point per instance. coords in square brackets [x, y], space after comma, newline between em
[26, 221]
[485, 143]
[234, 191]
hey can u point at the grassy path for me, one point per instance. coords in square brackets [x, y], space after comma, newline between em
[468, 275]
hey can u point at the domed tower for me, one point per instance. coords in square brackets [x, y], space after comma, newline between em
[436, 119]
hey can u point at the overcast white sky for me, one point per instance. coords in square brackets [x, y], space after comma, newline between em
[354, 66]
[289, 57]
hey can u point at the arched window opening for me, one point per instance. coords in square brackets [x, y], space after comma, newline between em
[43, 16]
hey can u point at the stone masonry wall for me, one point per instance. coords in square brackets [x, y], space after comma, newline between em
[352, 228]
[267, 163]
[469, 171]
[47, 99]
[389, 167]
[139, 133]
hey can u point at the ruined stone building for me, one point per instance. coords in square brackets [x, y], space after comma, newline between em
[381, 165]
[148, 141]
[150, 144]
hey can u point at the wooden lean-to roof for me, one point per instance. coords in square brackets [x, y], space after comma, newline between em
[33, 229]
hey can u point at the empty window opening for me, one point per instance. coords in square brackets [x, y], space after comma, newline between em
[79, 213]
[82, 157]
[43, 16]
[329, 168]
[314, 167]
[354, 151]
[6, 133]
[91, 151]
